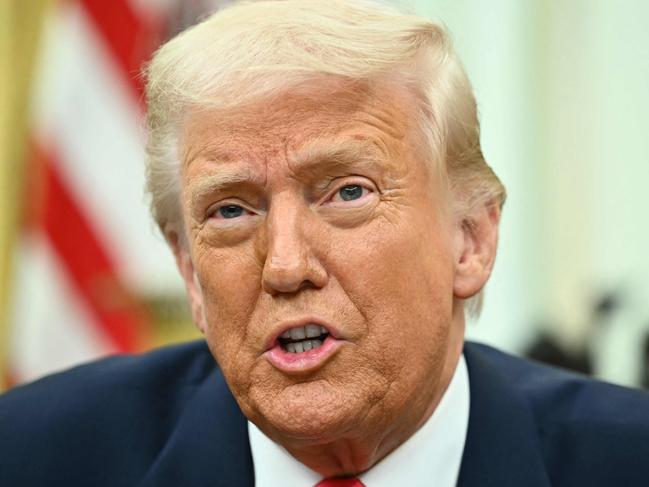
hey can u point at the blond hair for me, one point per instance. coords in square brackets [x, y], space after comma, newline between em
[252, 50]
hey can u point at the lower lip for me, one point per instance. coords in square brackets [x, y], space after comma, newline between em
[304, 361]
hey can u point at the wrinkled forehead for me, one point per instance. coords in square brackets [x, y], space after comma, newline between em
[326, 111]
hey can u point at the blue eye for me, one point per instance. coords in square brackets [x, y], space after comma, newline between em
[231, 211]
[351, 192]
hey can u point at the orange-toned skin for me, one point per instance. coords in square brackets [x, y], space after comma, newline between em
[390, 269]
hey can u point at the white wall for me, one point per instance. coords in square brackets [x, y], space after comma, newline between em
[563, 91]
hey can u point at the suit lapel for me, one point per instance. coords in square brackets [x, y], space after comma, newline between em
[502, 447]
[209, 446]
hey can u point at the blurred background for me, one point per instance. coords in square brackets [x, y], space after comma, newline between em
[563, 92]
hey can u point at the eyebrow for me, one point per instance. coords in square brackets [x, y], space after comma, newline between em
[227, 176]
[341, 154]
[320, 155]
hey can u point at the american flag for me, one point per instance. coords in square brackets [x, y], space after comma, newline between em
[87, 256]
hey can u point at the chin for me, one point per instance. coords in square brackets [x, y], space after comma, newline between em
[310, 413]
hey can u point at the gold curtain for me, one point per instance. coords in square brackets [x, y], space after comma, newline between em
[21, 24]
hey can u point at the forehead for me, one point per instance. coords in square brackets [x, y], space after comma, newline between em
[375, 117]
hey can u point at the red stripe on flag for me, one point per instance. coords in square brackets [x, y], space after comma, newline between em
[130, 38]
[88, 264]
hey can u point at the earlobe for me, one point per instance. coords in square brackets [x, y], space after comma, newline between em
[192, 286]
[476, 243]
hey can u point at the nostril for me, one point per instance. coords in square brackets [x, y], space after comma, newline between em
[285, 273]
[283, 277]
[291, 265]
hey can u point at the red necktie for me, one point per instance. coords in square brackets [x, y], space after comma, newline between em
[340, 483]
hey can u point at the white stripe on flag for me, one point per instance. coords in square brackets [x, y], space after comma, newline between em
[51, 329]
[88, 112]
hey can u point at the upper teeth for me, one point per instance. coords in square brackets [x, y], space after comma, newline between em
[302, 332]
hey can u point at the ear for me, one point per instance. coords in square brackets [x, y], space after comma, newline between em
[180, 248]
[475, 250]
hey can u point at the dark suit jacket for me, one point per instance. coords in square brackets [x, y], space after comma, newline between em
[167, 419]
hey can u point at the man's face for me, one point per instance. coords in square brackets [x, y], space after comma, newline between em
[318, 209]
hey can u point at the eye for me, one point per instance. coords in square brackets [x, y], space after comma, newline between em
[228, 212]
[350, 192]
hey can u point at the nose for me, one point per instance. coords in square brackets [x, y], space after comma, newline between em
[290, 262]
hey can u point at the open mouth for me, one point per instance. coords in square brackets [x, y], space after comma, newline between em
[304, 346]
[303, 338]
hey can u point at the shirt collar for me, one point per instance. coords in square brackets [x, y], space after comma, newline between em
[434, 452]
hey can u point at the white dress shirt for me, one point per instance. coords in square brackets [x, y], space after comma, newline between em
[430, 457]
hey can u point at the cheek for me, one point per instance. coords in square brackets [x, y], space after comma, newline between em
[401, 280]
[229, 280]
[394, 262]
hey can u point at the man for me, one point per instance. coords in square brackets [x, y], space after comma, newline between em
[316, 169]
